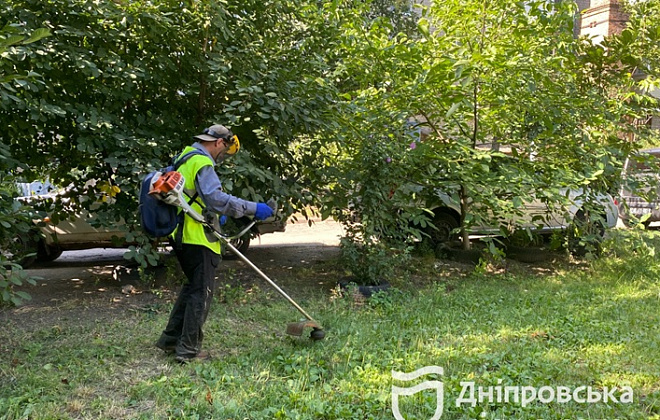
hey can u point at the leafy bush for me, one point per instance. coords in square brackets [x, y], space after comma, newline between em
[368, 198]
[15, 230]
[369, 262]
[15, 218]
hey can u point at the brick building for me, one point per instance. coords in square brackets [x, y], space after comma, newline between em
[600, 18]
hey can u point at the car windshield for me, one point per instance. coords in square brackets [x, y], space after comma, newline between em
[30, 189]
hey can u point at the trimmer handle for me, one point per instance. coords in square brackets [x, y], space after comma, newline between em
[245, 230]
[272, 204]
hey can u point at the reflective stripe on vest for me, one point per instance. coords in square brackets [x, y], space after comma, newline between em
[193, 232]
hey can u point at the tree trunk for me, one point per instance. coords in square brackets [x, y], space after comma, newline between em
[465, 236]
[201, 103]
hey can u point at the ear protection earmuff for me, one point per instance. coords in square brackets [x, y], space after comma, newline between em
[234, 144]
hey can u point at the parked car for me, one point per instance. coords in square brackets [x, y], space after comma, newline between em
[632, 206]
[536, 216]
[76, 233]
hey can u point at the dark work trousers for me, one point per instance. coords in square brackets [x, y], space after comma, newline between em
[184, 329]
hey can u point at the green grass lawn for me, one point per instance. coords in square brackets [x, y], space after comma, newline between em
[565, 324]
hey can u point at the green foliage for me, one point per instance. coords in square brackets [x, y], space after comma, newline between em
[15, 218]
[364, 194]
[128, 84]
[500, 70]
[16, 230]
[369, 262]
[122, 87]
[510, 78]
[400, 15]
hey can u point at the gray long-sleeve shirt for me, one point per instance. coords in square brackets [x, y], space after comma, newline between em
[209, 187]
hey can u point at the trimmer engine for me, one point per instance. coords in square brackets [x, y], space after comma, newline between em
[168, 187]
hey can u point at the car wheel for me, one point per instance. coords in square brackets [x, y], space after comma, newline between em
[585, 235]
[48, 253]
[444, 226]
[26, 246]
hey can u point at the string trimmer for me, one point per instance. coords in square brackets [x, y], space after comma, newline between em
[168, 187]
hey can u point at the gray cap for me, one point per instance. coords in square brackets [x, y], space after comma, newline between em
[213, 133]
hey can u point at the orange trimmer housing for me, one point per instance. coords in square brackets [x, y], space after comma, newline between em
[167, 182]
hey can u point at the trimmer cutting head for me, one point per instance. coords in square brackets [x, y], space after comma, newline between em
[296, 328]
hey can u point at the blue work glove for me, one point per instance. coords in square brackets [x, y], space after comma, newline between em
[263, 211]
[223, 220]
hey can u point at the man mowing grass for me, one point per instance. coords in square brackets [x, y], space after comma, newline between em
[197, 250]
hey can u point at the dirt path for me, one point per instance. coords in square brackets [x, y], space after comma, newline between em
[102, 281]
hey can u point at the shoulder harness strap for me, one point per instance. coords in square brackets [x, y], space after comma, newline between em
[176, 163]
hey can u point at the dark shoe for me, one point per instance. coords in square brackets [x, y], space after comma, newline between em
[202, 356]
[166, 348]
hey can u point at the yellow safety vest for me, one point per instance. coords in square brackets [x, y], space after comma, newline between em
[194, 232]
